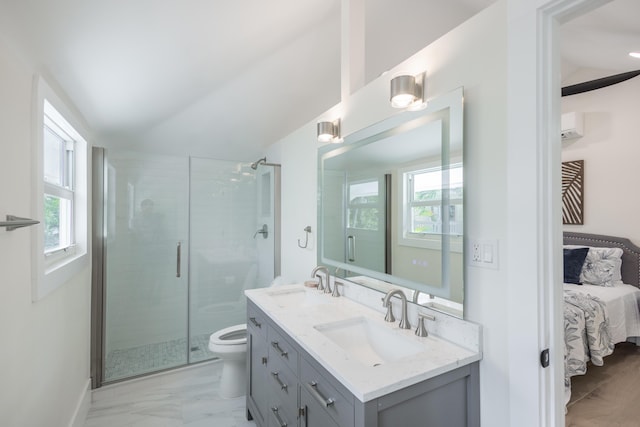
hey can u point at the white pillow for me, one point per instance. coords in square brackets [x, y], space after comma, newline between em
[602, 266]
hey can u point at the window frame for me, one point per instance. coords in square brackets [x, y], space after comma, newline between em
[53, 268]
[427, 240]
[64, 190]
[412, 203]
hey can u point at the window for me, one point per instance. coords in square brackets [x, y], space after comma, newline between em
[61, 198]
[432, 205]
[58, 220]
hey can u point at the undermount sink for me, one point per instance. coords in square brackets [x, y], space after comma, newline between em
[369, 343]
[297, 298]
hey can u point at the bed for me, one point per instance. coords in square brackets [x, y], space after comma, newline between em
[594, 325]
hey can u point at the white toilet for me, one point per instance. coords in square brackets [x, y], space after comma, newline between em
[230, 345]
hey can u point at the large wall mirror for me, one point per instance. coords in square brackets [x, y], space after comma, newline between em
[390, 205]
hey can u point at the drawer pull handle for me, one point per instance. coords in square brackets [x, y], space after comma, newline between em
[277, 415]
[264, 360]
[313, 389]
[178, 257]
[282, 385]
[255, 322]
[283, 353]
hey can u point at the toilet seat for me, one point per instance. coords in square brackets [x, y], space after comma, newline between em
[233, 335]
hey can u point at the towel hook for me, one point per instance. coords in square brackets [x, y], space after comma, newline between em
[307, 230]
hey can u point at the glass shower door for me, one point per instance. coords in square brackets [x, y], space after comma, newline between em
[146, 290]
[227, 219]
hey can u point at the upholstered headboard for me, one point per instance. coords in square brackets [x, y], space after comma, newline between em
[630, 256]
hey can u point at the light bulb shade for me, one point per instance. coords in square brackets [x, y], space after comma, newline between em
[405, 91]
[329, 131]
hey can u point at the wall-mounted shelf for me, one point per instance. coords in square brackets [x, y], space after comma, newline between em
[14, 222]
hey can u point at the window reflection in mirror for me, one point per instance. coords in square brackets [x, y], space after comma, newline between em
[422, 209]
[391, 204]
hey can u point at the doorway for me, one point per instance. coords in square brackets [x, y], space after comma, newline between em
[533, 136]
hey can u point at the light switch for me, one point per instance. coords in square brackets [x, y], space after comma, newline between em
[487, 251]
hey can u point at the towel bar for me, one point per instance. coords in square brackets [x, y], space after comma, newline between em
[14, 222]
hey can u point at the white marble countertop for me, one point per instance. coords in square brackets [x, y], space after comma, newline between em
[365, 382]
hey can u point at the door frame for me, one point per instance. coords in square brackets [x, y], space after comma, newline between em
[98, 248]
[534, 207]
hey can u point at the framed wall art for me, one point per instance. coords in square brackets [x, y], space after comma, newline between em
[573, 192]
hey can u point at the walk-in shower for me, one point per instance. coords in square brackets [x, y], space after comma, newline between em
[176, 249]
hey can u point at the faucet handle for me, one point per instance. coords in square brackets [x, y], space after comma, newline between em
[389, 316]
[421, 331]
[327, 286]
[335, 292]
[320, 283]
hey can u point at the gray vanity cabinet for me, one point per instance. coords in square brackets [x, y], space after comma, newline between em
[291, 388]
[257, 358]
[282, 373]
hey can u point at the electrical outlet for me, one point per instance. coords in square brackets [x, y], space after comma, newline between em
[484, 253]
[475, 252]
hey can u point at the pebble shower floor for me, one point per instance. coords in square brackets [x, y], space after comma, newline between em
[154, 357]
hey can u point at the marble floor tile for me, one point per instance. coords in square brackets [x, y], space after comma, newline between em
[184, 397]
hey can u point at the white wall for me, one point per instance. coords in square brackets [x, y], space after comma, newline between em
[611, 153]
[44, 361]
[473, 56]
[396, 31]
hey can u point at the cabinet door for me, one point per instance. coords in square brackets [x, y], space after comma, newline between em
[314, 414]
[258, 388]
[334, 399]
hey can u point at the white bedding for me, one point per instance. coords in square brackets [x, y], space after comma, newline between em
[621, 303]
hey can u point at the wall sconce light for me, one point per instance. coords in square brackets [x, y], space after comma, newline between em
[329, 131]
[408, 92]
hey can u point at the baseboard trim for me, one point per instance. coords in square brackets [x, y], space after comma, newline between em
[82, 408]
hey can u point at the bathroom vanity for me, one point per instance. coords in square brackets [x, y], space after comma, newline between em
[314, 360]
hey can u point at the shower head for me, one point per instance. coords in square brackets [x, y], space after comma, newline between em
[255, 164]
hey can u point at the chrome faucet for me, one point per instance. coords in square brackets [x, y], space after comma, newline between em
[386, 302]
[416, 294]
[314, 273]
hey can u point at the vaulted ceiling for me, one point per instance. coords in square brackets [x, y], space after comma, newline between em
[602, 39]
[208, 77]
[226, 79]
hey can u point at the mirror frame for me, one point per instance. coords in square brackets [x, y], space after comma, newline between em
[395, 125]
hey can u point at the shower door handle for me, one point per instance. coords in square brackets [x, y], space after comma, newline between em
[351, 248]
[178, 258]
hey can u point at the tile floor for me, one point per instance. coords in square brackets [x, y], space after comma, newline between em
[184, 397]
